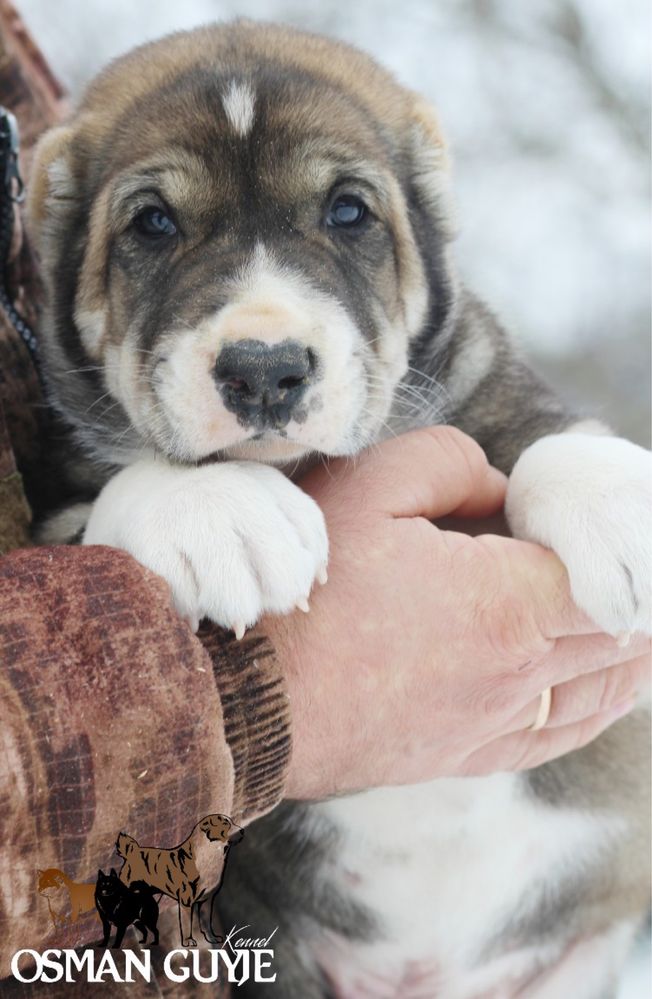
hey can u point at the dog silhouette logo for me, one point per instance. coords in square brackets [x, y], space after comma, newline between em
[191, 873]
[67, 900]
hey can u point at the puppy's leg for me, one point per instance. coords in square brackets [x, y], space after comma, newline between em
[119, 936]
[140, 926]
[233, 540]
[66, 526]
[106, 927]
[573, 487]
[205, 920]
[185, 925]
[589, 498]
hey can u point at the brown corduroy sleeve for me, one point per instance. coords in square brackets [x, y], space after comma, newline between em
[256, 718]
[111, 720]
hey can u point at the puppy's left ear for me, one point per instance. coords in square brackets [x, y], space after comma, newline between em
[430, 167]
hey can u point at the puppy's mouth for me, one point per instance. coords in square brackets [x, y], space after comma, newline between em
[270, 447]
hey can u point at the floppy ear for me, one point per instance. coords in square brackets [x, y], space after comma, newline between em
[206, 824]
[60, 213]
[51, 185]
[430, 167]
[227, 824]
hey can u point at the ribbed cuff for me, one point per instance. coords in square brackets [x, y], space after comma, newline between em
[14, 514]
[256, 718]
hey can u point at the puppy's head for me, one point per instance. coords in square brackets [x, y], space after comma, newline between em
[243, 232]
[218, 827]
[50, 881]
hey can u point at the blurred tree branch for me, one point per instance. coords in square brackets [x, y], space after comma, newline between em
[566, 33]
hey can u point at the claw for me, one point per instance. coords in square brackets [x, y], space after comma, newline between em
[192, 621]
[623, 639]
[303, 605]
[239, 630]
[322, 576]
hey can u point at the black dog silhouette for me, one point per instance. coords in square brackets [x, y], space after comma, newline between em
[120, 906]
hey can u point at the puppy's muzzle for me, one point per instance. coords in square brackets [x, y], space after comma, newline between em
[262, 384]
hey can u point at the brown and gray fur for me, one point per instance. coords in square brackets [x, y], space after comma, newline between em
[326, 119]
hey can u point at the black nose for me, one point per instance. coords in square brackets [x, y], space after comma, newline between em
[262, 384]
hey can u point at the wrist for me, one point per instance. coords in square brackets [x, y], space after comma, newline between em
[314, 765]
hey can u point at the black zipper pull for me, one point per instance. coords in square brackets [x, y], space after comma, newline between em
[12, 191]
[10, 139]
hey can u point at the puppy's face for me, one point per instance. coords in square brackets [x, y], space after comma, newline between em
[240, 237]
[51, 883]
[217, 827]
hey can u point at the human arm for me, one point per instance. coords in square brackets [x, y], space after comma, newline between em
[115, 717]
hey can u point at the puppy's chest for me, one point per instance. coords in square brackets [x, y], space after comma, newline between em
[208, 857]
[443, 868]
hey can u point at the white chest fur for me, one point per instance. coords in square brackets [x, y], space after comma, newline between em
[442, 866]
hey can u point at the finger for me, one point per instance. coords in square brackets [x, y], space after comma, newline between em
[425, 473]
[526, 750]
[575, 655]
[588, 695]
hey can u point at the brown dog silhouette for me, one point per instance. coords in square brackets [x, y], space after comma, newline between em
[67, 899]
[188, 872]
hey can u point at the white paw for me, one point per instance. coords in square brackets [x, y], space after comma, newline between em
[590, 500]
[234, 540]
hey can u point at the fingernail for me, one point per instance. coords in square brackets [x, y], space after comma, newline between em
[621, 709]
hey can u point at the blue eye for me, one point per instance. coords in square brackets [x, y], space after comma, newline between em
[346, 212]
[153, 222]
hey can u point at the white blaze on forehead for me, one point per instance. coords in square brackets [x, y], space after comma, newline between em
[239, 103]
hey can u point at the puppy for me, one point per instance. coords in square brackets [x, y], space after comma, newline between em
[246, 241]
[188, 872]
[67, 899]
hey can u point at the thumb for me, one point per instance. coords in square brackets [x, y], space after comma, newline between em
[425, 473]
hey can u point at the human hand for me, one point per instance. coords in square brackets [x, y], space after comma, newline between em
[426, 653]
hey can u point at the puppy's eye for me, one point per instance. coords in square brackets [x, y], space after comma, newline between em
[346, 212]
[154, 223]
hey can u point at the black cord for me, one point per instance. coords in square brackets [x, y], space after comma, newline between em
[11, 193]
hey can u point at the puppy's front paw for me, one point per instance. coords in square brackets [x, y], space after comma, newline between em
[590, 500]
[233, 540]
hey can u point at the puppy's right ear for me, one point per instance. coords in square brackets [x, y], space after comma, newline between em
[51, 185]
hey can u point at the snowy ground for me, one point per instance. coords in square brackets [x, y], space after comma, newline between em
[546, 106]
